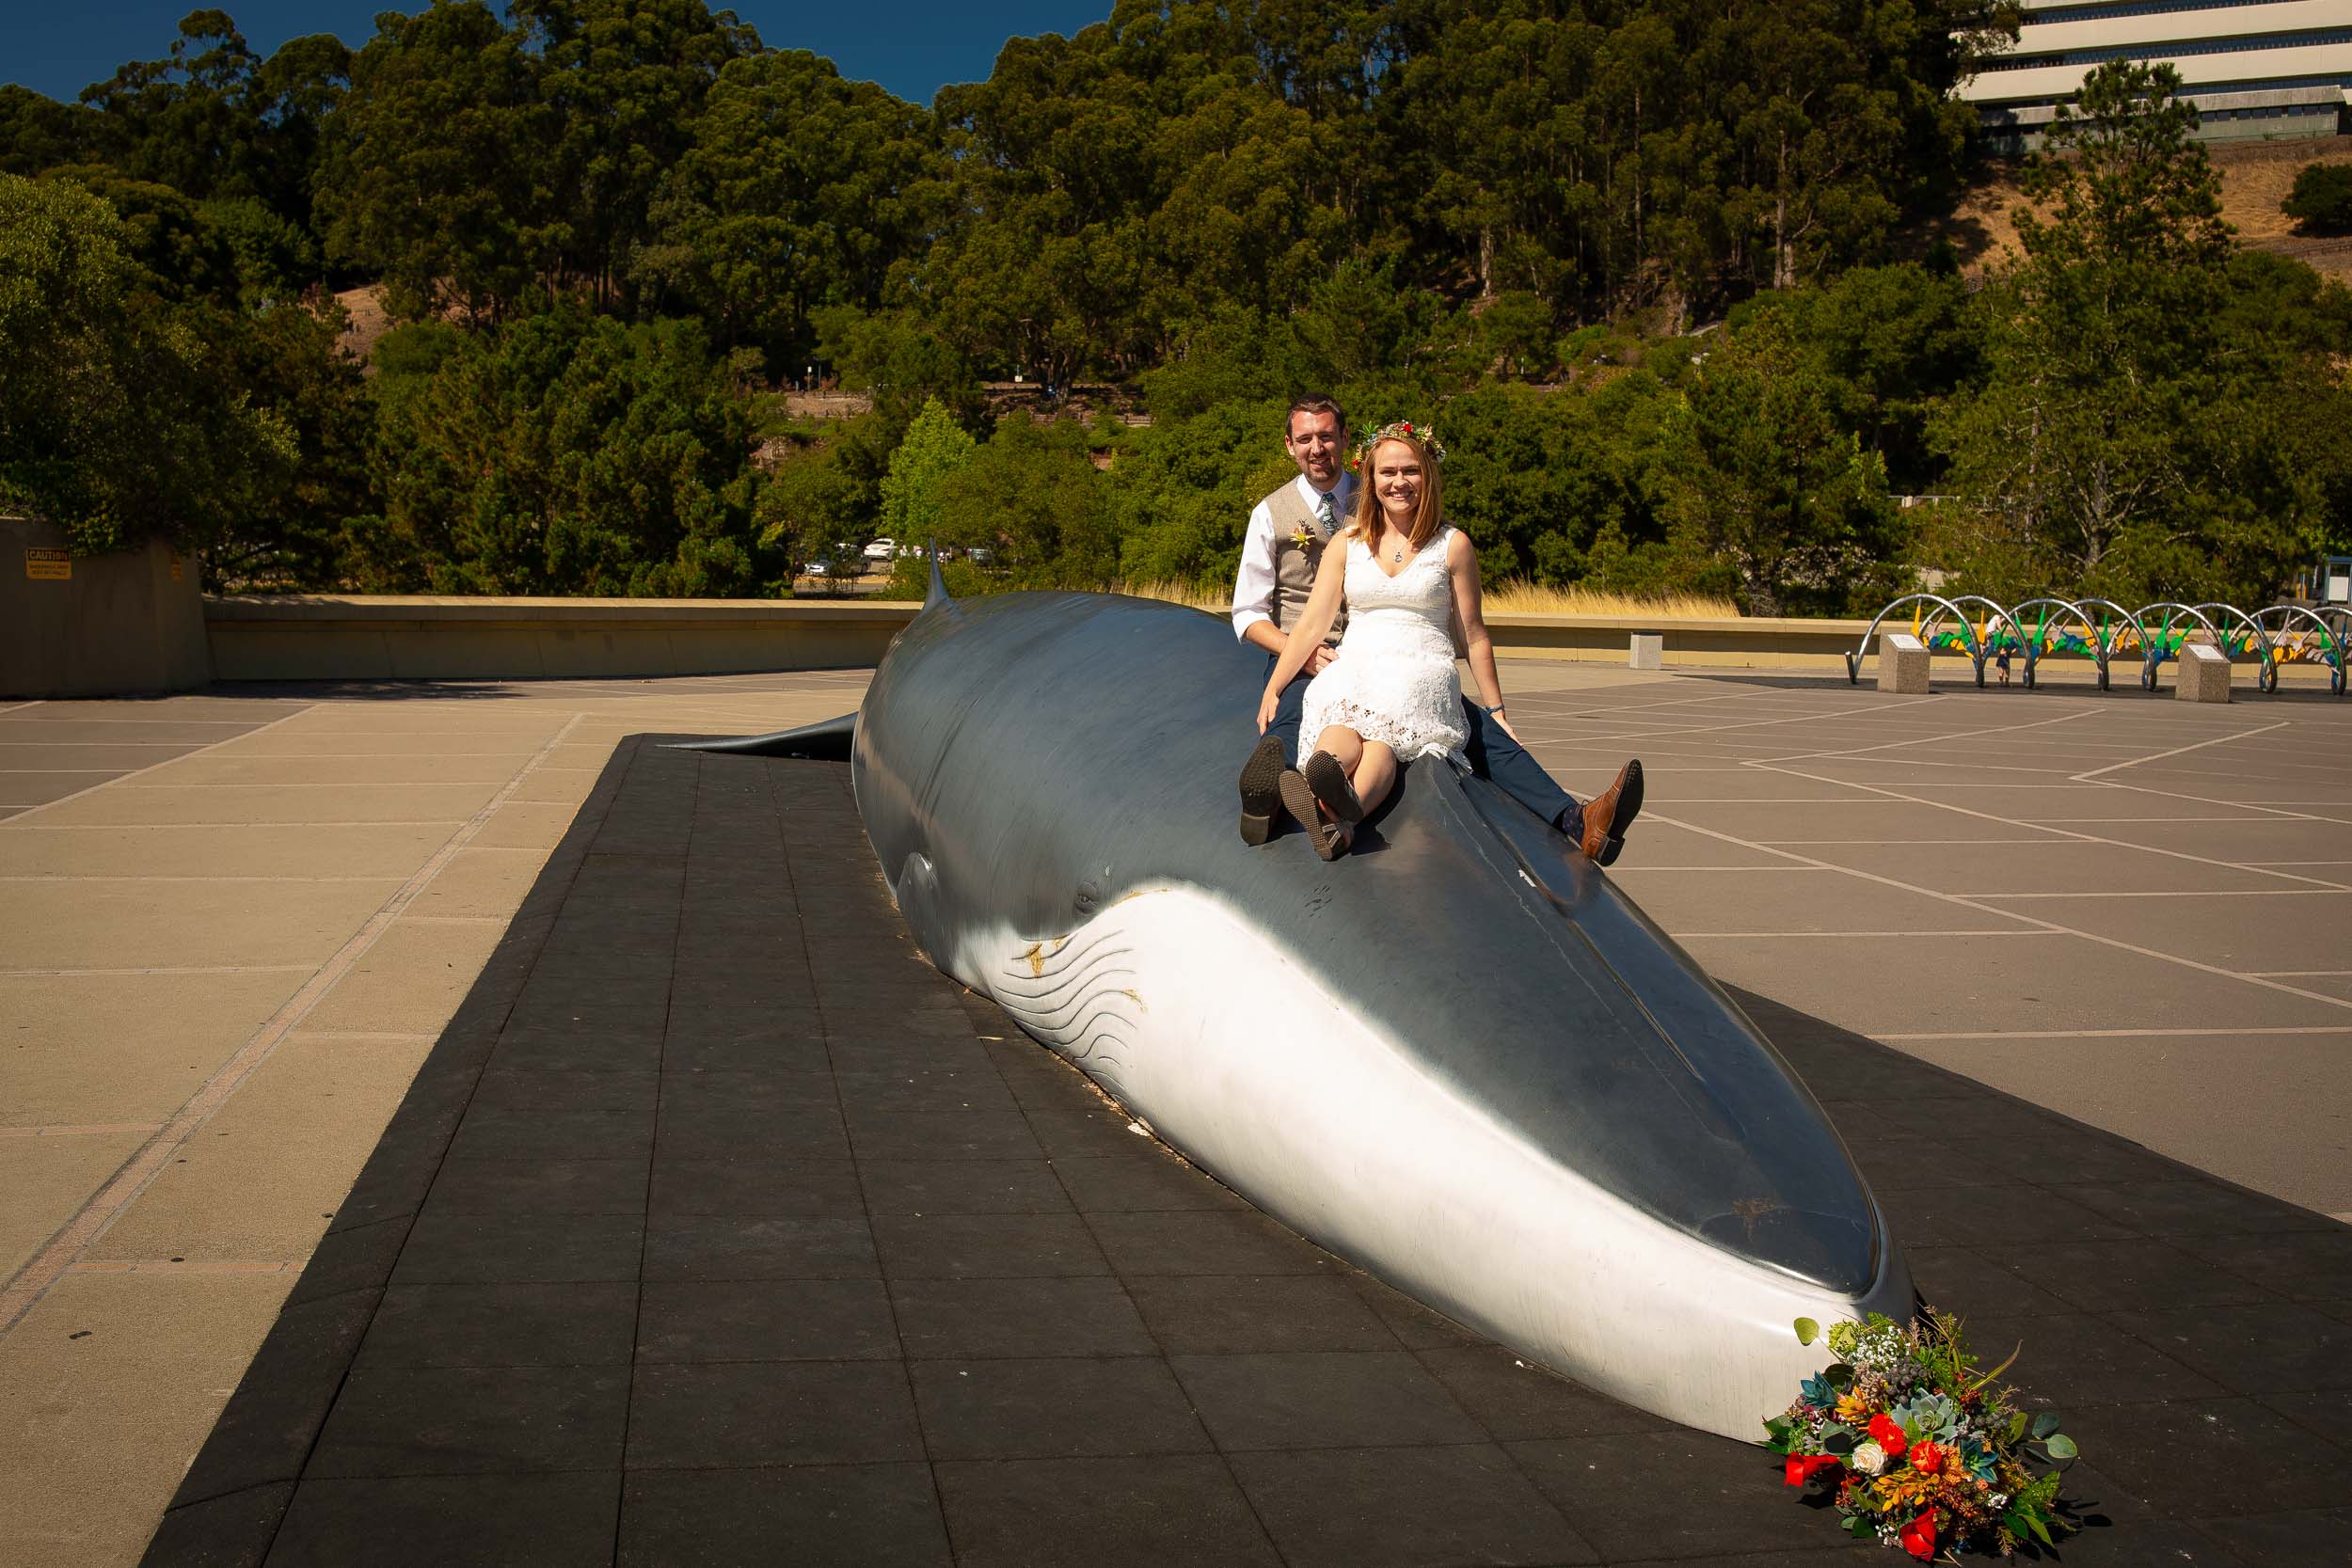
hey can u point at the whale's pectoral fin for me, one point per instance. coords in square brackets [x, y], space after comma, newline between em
[828, 741]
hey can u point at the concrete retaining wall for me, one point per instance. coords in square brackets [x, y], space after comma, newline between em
[1757, 643]
[96, 626]
[317, 637]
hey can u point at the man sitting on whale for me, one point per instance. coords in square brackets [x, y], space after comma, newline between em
[1281, 554]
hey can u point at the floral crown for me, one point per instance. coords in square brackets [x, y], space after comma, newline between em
[1405, 429]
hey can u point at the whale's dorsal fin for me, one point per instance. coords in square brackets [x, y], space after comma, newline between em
[827, 740]
[939, 594]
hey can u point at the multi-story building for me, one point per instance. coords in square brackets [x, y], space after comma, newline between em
[2254, 68]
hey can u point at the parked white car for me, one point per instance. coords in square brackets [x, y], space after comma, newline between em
[882, 551]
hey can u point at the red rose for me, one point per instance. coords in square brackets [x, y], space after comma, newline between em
[1927, 1458]
[1918, 1537]
[1800, 1466]
[1889, 1436]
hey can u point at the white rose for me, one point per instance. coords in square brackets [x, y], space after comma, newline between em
[1869, 1459]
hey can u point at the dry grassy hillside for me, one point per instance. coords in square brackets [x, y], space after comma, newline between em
[364, 319]
[2255, 178]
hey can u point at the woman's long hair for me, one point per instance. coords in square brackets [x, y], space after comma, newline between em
[1365, 523]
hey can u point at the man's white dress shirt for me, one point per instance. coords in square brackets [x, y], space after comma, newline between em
[1253, 588]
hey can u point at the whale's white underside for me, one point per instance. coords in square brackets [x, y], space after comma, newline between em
[1203, 1025]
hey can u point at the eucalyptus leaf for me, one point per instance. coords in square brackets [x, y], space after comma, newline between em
[2044, 1424]
[2060, 1445]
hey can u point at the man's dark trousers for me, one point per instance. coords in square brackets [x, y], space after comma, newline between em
[1287, 711]
[1492, 754]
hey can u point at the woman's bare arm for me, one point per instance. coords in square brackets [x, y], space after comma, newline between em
[1314, 623]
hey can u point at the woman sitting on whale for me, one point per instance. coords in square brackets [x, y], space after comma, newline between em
[1391, 694]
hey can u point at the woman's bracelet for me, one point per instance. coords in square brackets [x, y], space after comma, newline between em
[1483, 708]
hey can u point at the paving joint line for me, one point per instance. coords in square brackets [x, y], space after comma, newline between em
[95, 1128]
[2273, 808]
[1873, 936]
[2181, 750]
[2063, 833]
[157, 969]
[2051, 927]
[2119, 1034]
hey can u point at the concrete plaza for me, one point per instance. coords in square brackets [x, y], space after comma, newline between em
[236, 924]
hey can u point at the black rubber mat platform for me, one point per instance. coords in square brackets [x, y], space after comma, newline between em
[720, 1229]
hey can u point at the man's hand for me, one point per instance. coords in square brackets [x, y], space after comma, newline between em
[1321, 657]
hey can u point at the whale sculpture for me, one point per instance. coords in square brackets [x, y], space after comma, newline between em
[1459, 1056]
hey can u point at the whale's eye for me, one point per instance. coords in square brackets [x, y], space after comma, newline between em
[1089, 898]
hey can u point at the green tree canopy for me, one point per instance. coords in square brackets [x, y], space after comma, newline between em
[566, 454]
[119, 418]
[915, 491]
[2320, 201]
[1770, 495]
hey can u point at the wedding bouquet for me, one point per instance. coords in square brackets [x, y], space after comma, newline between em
[1924, 1451]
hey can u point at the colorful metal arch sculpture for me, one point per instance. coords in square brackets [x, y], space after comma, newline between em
[2155, 632]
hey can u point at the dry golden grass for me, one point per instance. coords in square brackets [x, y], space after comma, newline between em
[2255, 178]
[1179, 593]
[1514, 597]
[1508, 597]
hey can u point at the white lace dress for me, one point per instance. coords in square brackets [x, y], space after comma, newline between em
[1393, 679]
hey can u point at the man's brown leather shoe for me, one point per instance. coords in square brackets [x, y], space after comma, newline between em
[1261, 790]
[1608, 814]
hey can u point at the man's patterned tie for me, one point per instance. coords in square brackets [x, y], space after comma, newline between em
[1330, 517]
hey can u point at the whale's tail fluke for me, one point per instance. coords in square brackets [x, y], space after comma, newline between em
[826, 742]
[939, 594]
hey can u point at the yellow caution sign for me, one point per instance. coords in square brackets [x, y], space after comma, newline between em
[48, 565]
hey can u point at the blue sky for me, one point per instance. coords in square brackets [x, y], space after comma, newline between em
[912, 47]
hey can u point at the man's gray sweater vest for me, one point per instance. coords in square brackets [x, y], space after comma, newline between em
[1295, 564]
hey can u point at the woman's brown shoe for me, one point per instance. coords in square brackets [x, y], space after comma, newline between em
[1608, 814]
[1330, 838]
[1332, 787]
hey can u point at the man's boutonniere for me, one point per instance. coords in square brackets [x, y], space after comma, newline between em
[1301, 538]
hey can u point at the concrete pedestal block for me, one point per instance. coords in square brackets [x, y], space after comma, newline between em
[1647, 650]
[2204, 674]
[96, 626]
[1903, 663]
